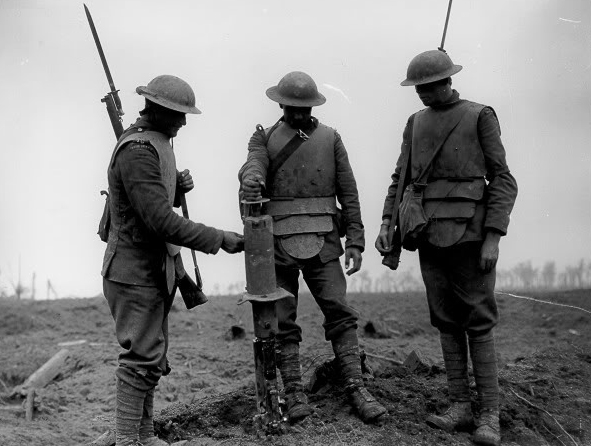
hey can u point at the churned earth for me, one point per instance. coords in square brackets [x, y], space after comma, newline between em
[544, 354]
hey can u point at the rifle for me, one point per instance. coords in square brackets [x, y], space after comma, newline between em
[445, 26]
[111, 99]
[191, 292]
[392, 259]
[114, 110]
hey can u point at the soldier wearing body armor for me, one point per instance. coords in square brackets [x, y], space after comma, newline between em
[467, 199]
[139, 279]
[302, 166]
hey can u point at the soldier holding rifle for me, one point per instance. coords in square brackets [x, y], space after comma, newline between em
[142, 266]
[303, 167]
[454, 212]
[138, 269]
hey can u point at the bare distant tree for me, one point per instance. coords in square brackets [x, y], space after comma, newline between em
[407, 281]
[588, 274]
[526, 273]
[365, 281]
[3, 294]
[382, 284]
[51, 289]
[33, 286]
[236, 287]
[548, 275]
[574, 275]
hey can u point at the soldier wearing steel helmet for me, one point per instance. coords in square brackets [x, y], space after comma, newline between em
[142, 249]
[467, 200]
[304, 180]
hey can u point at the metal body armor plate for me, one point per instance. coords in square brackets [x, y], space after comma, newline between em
[168, 171]
[456, 181]
[309, 171]
[303, 191]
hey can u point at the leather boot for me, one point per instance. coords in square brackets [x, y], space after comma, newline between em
[457, 418]
[346, 351]
[146, 431]
[488, 429]
[128, 414]
[367, 407]
[291, 375]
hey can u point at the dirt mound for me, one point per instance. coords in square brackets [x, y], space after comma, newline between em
[545, 399]
[544, 356]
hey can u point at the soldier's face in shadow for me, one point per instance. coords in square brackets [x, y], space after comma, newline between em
[169, 121]
[434, 93]
[297, 117]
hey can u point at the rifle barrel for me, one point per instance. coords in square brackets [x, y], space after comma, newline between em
[445, 27]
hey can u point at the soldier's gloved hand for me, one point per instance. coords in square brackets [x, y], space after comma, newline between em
[489, 253]
[184, 181]
[252, 187]
[354, 254]
[232, 242]
[382, 240]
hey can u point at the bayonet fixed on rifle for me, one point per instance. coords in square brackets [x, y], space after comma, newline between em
[111, 99]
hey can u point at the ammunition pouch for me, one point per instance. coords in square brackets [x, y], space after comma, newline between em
[301, 223]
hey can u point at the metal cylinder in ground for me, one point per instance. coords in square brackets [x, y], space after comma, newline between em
[259, 255]
[262, 292]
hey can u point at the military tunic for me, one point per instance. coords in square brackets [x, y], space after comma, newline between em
[470, 191]
[320, 168]
[135, 262]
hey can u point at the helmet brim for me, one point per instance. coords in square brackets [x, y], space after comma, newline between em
[433, 78]
[143, 91]
[274, 95]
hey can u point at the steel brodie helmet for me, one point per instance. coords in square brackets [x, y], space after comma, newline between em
[296, 89]
[171, 92]
[428, 67]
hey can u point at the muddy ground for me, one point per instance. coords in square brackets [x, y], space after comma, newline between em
[544, 357]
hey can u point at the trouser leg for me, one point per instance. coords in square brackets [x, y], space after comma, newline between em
[141, 324]
[459, 294]
[328, 286]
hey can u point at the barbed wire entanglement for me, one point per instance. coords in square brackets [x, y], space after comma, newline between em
[542, 301]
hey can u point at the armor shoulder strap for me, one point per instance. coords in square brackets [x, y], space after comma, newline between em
[446, 130]
[288, 150]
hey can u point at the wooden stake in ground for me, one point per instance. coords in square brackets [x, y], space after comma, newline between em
[30, 405]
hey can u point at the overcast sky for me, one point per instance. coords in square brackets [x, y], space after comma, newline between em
[528, 59]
